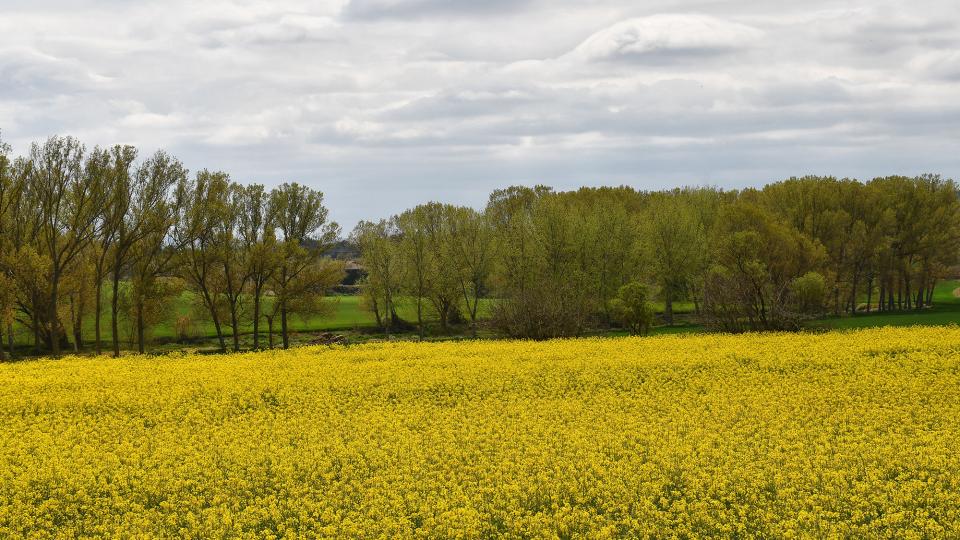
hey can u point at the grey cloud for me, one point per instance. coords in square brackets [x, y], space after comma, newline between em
[384, 103]
[28, 73]
[402, 9]
[941, 65]
[880, 38]
[879, 34]
[465, 103]
[284, 30]
[806, 93]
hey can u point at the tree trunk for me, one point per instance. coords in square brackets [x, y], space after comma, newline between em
[141, 340]
[36, 325]
[54, 318]
[473, 318]
[444, 314]
[668, 307]
[763, 308]
[891, 305]
[853, 293]
[236, 331]
[76, 334]
[220, 339]
[256, 318]
[216, 318]
[233, 298]
[376, 312]
[933, 285]
[78, 328]
[907, 291]
[115, 313]
[270, 332]
[420, 316]
[387, 318]
[880, 305]
[836, 299]
[13, 353]
[869, 293]
[98, 306]
[3, 354]
[283, 325]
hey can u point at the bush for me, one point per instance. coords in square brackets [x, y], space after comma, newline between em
[808, 293]
[184, 328]
[631, 308]
[545, 311]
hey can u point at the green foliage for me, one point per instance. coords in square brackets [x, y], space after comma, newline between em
[82, 228]
[547, 267]
[756, 257]
[674, 242]
[383, 261]
[808, 293]
[631, 308]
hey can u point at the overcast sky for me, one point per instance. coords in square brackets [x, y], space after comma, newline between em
[383, 104]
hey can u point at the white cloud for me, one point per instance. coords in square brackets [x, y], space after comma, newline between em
[387, 9]
[286, 29]
[667, 34]
[941, 64]
[358, 128]
[386, 103]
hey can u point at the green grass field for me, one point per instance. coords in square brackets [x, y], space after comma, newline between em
[945, 310]
[346, 314]
[341, 313]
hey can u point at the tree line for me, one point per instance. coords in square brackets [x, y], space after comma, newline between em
[82, 228]
[560, 263]
[102, 234]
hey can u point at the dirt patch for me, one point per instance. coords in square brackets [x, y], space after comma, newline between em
[956, 292]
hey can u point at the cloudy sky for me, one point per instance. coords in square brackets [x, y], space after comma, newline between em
[386, 103]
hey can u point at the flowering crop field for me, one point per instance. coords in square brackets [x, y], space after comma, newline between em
[844, 434]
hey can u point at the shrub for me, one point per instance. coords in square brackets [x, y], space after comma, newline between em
[808, 293]
[631, 308]
[184, 328]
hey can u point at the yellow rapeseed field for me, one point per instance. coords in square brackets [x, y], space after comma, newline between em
[852, 434]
